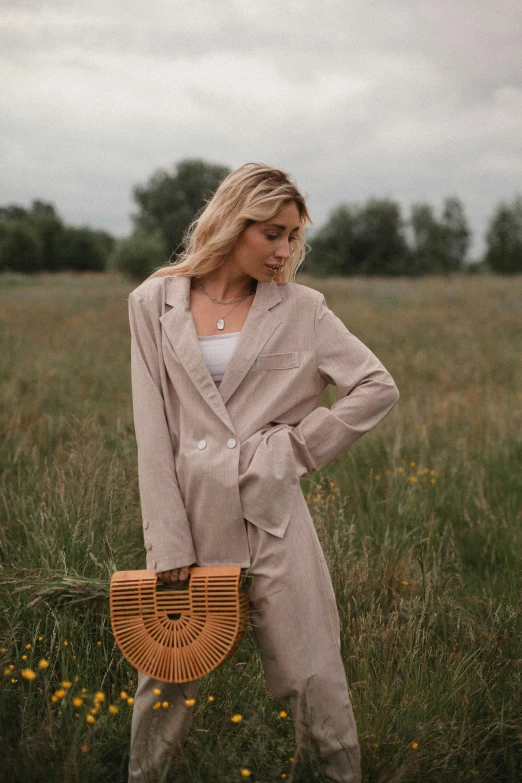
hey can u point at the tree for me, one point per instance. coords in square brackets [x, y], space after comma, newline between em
[332, 245]
[457, 233]
[81, 249]
[13, 212]
[106, 240]
[20, 247]
[139, 255]
[439, 246]
[429, 240]
[171, 200]
[366, 240]
[379, 245]
[504, 239]
[50, 229]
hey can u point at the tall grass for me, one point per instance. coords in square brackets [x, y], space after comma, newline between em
[420, 522]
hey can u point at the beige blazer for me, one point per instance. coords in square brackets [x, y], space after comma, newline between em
[210, 457]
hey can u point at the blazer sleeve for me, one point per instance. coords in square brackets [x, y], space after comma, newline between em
[167, 534]
[367, 393]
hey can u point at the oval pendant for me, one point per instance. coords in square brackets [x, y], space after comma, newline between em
[221, 324]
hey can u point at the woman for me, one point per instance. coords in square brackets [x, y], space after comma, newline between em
[229, 359]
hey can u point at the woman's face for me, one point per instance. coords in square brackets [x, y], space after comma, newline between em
[264, 248]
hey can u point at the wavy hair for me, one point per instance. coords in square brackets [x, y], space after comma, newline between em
[250, 194]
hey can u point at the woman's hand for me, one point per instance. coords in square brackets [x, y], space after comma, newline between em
[174, 576]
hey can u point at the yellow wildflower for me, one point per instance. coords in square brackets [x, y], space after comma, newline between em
[415, 745]
[412, 464]
[54, 698]
[113, 709]
[124, 695]
[40, 638]
[130, 700]
[413, 479]
[283, 714]
[190, 702]
[245, 773]
[433, 481]
[90, 719]
[404, 582]
[60, 693]
[236, 718]
[95, 710]
[28, 674]
[66, 643]
[11, 666]
[156, 691]
[7, 671]
[66, 684]
[24, 657]
[156, 706]
[99, 696]
[99, 644]
[28, 646]
[164, 704]
[211, 698]
[43, 664]
[291, 759]
[77, 701]
[377, 476]
[85, 748]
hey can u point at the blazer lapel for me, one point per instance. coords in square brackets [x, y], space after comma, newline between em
[180, 329]
[259, 326]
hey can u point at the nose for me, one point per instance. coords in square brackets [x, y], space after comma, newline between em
[283, 249]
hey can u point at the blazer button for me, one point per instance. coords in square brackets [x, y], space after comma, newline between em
[148, 546]
[202, 444]
[231, 443]
[145, 524]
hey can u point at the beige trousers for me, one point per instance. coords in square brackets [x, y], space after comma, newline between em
[296, 628]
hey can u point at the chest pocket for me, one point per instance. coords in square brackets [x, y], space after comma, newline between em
[277, 361]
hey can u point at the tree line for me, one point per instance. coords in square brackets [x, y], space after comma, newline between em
[368, 239]
[35, 239]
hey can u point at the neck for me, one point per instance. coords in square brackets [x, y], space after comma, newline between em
[223, 286]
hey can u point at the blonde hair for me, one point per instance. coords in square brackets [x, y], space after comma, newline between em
[250, 194]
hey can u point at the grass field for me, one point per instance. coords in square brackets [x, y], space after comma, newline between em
[420, 522]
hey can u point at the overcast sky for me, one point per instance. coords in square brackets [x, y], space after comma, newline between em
[409, 99]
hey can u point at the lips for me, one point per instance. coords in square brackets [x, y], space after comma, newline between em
[274, 268]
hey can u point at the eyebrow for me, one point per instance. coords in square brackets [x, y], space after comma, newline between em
[283, 228]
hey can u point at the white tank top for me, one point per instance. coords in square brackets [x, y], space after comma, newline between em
[217, 350]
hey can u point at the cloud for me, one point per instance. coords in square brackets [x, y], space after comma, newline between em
[400, 99]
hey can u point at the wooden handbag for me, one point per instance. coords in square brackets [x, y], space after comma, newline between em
[173, 634]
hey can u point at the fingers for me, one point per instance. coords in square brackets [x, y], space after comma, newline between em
[174, 576]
